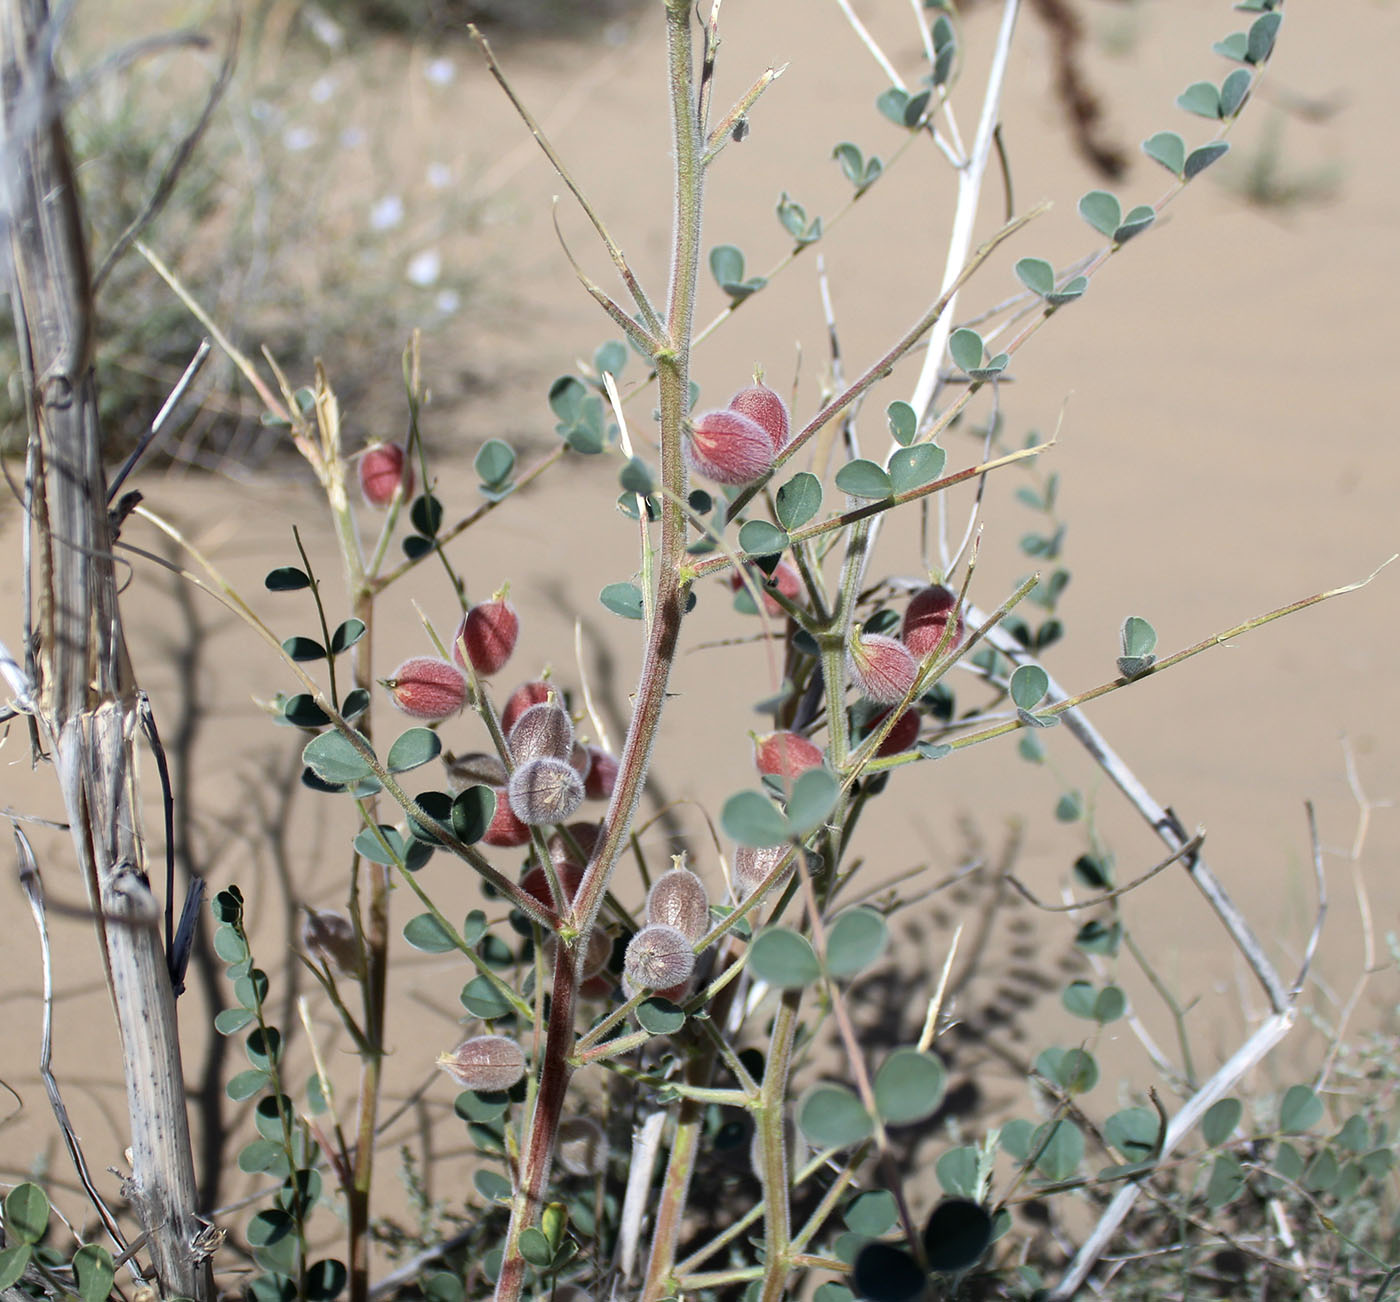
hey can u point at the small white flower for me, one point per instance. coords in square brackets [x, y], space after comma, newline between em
[448, 301]
[297, 140]
[439, 175]
[352, 137]
[386, 213]
[424, 268]
[321, 89]
[441, 71]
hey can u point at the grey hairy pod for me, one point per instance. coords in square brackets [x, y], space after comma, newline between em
[678, 899]
[658, 957]
[541, 730]
[485, 1062]
[752, 866]
[544, 790]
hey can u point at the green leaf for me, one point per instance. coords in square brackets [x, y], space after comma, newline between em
[427, 933]
[1110, 1005]
[856, 939]
[966, 349]
[759, 538]
[904, 424]
[1134, 1133]
[610, 357]
[1262, 34]
[472, 812]
[263, 1047]
[1354, 1136]
[752, 819]
[302, 711]
[1226, 1180]
[229, 1021]
[916, 466]
[660, 1016]
[1235, 46]
[325, 1280]
[958, 1232]
[1073, 1070]
[482, 1105]
[1301, 1109]
[1102, 210]
[246, 1084]
[909, 1086]
[831, 1116]
[892, 104]
[726, 264]
[798, 501]
[13, 1260]
[287, 578]
[1036, 274]
[1137, 220]
[1201, 98]
[784, 958]
[1200, 159]
[413, 749]
[1068, 292]
[1078, 998]
[346, 635]
[1137, 636]
[814, 796]
[494, 462]
[26, 1213]
[370, 843]
[267, 1118]
[957, 1172]
[567, 396]
[332, 757]
[623, 599]
[1062, 1152]
[1028, 686]
[1220, 1121]
[302, 649]
[1167, 148]
[481, 999]
[862, 478]
[636, 477]
[1070, 807]
[872, 1213]
[426, 515]
[534, 1247]
[262, 1155]
[1233, 91]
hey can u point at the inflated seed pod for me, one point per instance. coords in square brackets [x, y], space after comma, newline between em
[427, 688]
[476, 768]
[544, 790]
[795, 1150]
[678, 900]
[583, 1148]
[542, 730]
[485, 1062]
[584, 834]
[752, 866]
[658, 957]
[330, 937]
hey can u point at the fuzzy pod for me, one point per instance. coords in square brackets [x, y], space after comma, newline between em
[520, 700]
[767, 410]
[601, 777]
[882, 667]
[474, 769]
[384, 470]
[330, 937]
[752, 866]
[795, 1149]
[536, 882]
[488, 631]
[584, 834]
[427, 688]
[544, 790]
[901, 736]
[542, 730]
[581, 761]
[678, 899]
[505, 830]
[582, 1149]
[727, 447]
[658, 957]
[595, 957]
[785, 755]
[926, 617]
[487, 1063]
[784, 577]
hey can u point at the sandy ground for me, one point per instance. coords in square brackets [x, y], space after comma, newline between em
[1196, 387]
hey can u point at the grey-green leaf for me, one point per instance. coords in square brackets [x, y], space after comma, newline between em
[413, 749]
[759, 538]
[1068, 292]
[813, 797]
[1261, 37]
[1301, 1109]
[93, 1272]
[799, 500]
[855, 940]
[1028, 686]
[1063, 1149]
[957, 1172]
[909, 1086]
[1137, 221]
[752, 819]
[1233, 91]
[26, 1213]
[862, 478]
[1220, 1121]
[427, 933]
[965, 347]
[831, 1116]
[494, 462]
[1200, 159]
[784, 958]
[1167, 148]
[1201, 98]
[1036, 274]
[916, 466]
[1102, 210]
[332, 757]
[346, 635]
[623, 599]
[904, 424]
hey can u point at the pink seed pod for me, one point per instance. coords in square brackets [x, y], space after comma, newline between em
[582, 1150]
[330, 937]
[384, 470]
[536, 882]
[767, 410]
[785, 755]
[474, 769]
[785, 578]
[595, 957]
[585, 834]
[751, 866]
[542, 730]
[601, 777]
[926, 617]
[485, 1062]
[581, 761]
[882, 667]
[427, 688]
[901, 736]
[505, 830]
[728, 448]
[678, 900]
[658, 957]
[520, 700]
[544, 791]
[488, 631]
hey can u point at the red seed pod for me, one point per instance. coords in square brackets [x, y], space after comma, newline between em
[505, 830]
[597, 987]
[751, 866]
[474, 769]
[785, 578]
[330, 937]
[658, 957]
[520, 700]
[488, 631]
[596, 956]
[728, 448]
[383, 469]
[544, 791]
[485, 1062]
[767, 410]
[678, 899]
[785, 755]
[585, 834]
[582, 1150]
[882, 667]
[542, 730]
[901, 736]
[926, 617]
[536, 882]
[601, 777]
[427, 688]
